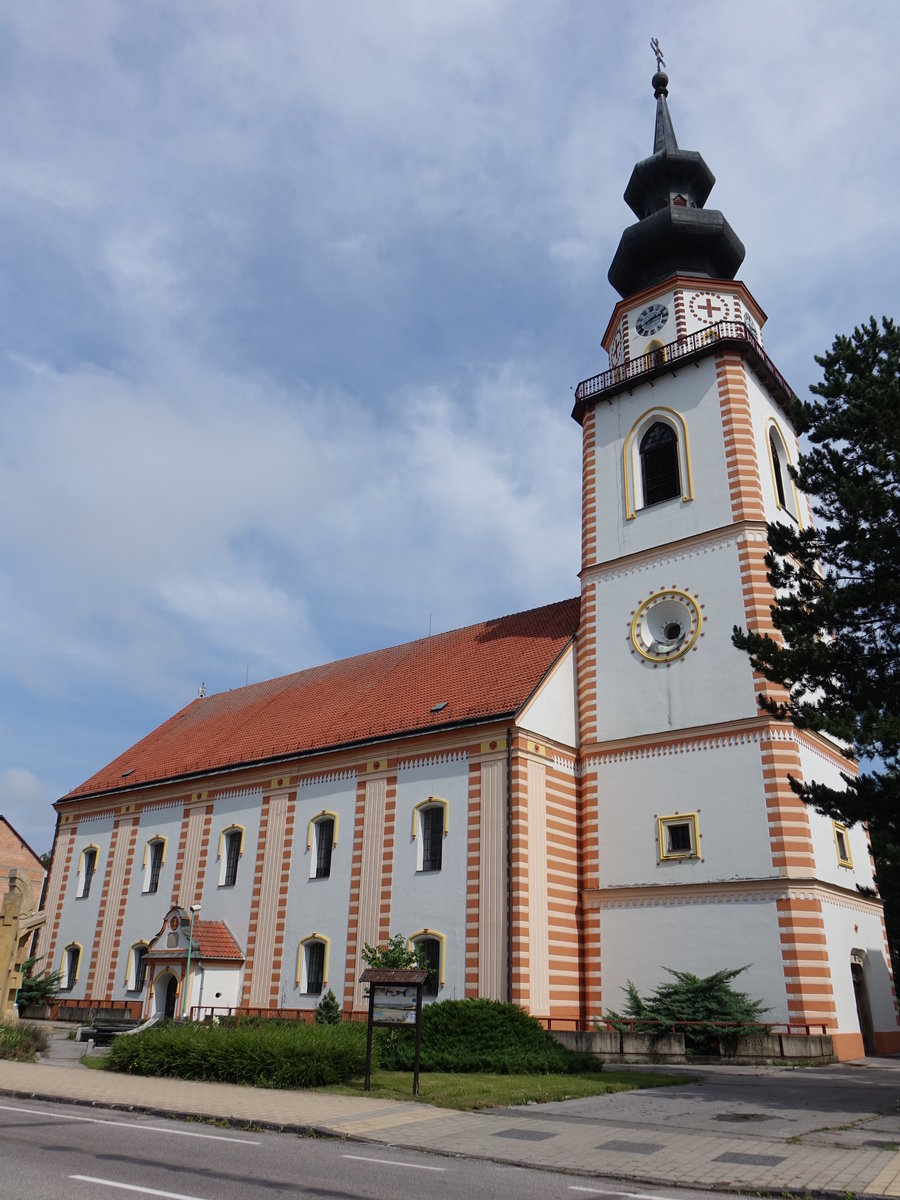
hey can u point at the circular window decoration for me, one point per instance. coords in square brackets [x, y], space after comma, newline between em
[666, 625]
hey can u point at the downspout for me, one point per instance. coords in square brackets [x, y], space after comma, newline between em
[509, 886]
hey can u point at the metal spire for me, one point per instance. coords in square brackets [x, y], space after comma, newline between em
[663, 134]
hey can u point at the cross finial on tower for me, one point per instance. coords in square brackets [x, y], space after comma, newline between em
[654, 46]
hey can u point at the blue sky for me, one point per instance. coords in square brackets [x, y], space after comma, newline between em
[293, 300]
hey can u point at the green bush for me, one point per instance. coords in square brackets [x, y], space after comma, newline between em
[38, 987]
[22, 1043]
[277, 1054]
[697, 1007]
[481, 1035]
[328, 1011]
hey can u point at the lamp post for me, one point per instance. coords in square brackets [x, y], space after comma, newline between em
[195, 908]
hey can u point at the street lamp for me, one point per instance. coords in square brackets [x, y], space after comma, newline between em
[195, 908]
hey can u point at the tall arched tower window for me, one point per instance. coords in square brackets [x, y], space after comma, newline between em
[779, 459]
[660, 476]
[657, 461]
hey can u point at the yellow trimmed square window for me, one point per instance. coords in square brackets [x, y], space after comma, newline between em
[842, 844]
[679, 836]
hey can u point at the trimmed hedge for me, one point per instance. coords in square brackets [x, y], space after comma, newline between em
[481, 1035]
[277, 1054]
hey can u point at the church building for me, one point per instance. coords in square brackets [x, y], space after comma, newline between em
[550, 803]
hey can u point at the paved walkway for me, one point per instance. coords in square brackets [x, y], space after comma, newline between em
[831, 1131]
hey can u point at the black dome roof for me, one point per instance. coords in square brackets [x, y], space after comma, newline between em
[674, 234]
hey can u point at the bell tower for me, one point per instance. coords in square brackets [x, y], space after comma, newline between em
[697, 854]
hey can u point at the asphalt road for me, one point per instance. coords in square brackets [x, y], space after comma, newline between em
[49, 1151]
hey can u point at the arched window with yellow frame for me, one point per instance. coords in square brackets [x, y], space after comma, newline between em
[136, 968]
[231, 850]
[786, 498]
[321, 841]
[154, 860]
[433, 948]
[87, 869]
[656, 461]
[313, 954]
[430, 825]
[69, 966]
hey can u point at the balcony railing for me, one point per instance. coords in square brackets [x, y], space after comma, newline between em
[695, 345]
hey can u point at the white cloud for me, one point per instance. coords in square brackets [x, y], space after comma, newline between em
[25, 802]
[294, 307]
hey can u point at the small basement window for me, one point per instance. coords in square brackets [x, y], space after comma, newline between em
[679, 836]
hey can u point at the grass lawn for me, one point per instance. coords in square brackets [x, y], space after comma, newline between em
[466, 1092]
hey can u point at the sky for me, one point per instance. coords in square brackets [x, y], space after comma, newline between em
[294, 296]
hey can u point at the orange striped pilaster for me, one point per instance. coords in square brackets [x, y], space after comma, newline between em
[131, 834]
[104, 904]
[255, 895]
[282, 903]
[355, 881]
[518, 854]
[810, 995]
[589, 826]
[740, 447]
[387, 857]
[59, 882]
[473, 870]
[586, 663]
[790, 837]
[563, 895]
[589, 489]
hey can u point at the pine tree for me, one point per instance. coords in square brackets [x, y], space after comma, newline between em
[328, 1011]
[838, 590]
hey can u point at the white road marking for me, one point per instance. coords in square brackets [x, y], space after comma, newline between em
[213, 1137]
[131, 1187]
[614, 1192]
[389, 1162]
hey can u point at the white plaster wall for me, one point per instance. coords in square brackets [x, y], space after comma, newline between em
[216, 986]
[818, 768]
[711, 683]
[763, 408]
[78, 920]
[144, 911]
[639, 941]
[434, 899]
[553, 711]
[232, 904]
[693, 393]
[848, 928]
[320, 905]
[724, 784]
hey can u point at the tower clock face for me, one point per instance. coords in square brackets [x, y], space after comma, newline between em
[651, 319]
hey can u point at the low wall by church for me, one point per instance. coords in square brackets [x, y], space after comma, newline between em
[615, 1047]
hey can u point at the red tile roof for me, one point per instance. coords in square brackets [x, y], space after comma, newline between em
[483, 671]
[214, 940]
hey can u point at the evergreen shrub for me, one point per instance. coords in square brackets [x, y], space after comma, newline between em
[481, 1035]
[704, 1009]
[277, 1054]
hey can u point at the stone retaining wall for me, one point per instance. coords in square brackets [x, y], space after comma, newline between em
[615, 1047]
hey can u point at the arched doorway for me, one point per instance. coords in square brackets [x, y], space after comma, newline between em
[165, 995]
[861, 994]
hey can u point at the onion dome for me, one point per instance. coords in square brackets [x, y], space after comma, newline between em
[674, 233]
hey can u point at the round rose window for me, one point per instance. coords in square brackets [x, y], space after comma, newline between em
[666, 625]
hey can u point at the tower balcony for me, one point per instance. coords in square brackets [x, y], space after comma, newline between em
[670, 358]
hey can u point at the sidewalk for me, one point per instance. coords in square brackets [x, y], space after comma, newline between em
[669, 1136]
